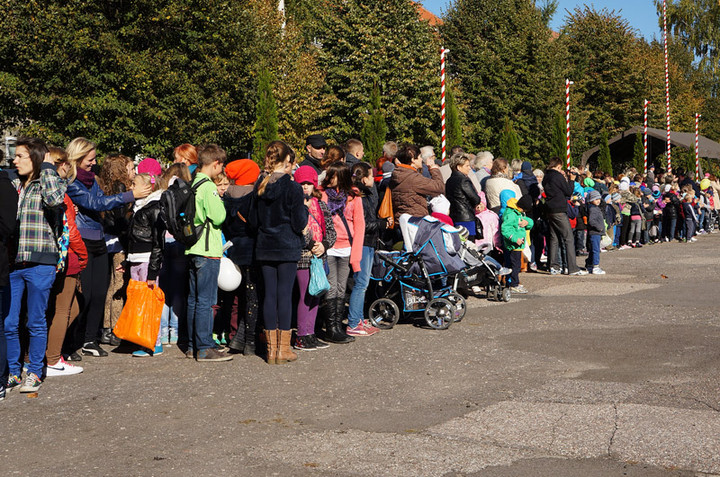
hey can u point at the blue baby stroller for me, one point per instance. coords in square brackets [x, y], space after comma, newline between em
[420, 279]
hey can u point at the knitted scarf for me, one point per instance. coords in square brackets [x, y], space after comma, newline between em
[336, 201]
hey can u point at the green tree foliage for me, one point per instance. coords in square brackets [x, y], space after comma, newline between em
[503, 59]
[639, 153]
[509, 147]
[604, 159]
[135, 76]
[452, 119]
[696, 23]
[375, 128]
[266, 117]
[558, 139]
[602, 61]
[362, 42]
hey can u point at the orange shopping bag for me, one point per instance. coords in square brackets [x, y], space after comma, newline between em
[386, 209]
[139, 321]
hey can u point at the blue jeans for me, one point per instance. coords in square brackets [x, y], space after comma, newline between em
[38, 280]
[357, 296]
[204, 273]
[174, 282]
[593, 258]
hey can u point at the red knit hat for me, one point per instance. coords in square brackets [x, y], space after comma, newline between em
[242, 171]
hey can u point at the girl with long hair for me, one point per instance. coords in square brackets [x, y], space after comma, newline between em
[280, 219]
[346, 208]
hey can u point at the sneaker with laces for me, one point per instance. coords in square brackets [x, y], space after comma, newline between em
[93, 349]
[319, 344]
[32, 383]
[579, 272]
[371, 330]
[597, 271]
[359, 330]
[304, 343]
[555, 271]
[518, 290]
[62, 368]
[212, 354]
[625, 247]
[13, 382]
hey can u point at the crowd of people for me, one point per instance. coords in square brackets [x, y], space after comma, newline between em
[72, 234]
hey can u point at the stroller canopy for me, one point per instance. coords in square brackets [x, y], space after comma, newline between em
[437, 243]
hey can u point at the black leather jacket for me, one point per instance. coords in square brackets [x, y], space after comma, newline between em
[462, 196]
[147, 234]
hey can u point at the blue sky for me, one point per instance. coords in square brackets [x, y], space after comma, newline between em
[641, 14]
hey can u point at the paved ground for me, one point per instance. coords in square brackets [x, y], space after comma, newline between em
[615, 375]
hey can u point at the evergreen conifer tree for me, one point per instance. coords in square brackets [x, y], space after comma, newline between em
[266, 117]
[639, 154]
[452, 120]
[604, 159]
[558, 139]
[509, 144]
[374, 129]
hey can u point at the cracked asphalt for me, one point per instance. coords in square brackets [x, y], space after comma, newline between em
[615, 375]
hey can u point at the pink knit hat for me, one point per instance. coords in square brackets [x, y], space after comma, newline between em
[149, 166]
[306, 174]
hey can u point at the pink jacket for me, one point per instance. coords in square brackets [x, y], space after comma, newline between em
[356, 222]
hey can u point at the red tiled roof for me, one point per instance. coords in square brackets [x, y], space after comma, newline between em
[427, 15]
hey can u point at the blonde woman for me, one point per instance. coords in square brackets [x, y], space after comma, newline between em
[90, 201]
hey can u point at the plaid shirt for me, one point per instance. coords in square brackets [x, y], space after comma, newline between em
[36, 241]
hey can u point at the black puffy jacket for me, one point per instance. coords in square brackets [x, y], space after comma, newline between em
[373, 224]
[462, 196]
[147, 234]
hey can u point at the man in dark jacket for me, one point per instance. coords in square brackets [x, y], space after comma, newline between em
[315, 145]
[8, 211]
[558, 189]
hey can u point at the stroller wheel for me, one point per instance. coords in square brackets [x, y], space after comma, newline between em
[505, 296]
[384, 313]
[493, 294]
[460, 306]
[440, 313]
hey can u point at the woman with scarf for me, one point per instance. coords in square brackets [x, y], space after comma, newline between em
[346, 208]
[90, 201]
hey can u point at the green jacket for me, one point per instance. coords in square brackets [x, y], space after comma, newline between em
[208, 205]
[511, 231]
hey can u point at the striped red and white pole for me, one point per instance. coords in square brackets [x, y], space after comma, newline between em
[697, 146]
[443, 52]
[645, 122]
[667, 87]
[567, 118]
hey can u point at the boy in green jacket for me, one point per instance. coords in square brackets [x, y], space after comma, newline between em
[204, 256]
[515, 225]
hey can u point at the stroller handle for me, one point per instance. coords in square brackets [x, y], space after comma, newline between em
[386, 258]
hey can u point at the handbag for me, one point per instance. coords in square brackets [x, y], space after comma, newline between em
[386, 209]
[139, 320]
[319, 283]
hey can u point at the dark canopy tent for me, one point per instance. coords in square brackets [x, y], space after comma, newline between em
[621, 146]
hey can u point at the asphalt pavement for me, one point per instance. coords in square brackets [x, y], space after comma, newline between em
[614, 375]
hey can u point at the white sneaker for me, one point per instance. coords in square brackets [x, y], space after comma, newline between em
[62, 368]
[598, 271]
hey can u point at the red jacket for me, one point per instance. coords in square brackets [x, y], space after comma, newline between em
[77, 253]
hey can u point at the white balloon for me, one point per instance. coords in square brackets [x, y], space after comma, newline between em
[230, 277]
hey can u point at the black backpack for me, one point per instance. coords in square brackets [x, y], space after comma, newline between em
[178, 205]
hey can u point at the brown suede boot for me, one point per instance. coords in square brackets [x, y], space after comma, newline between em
[272, 346]
[285, 354]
